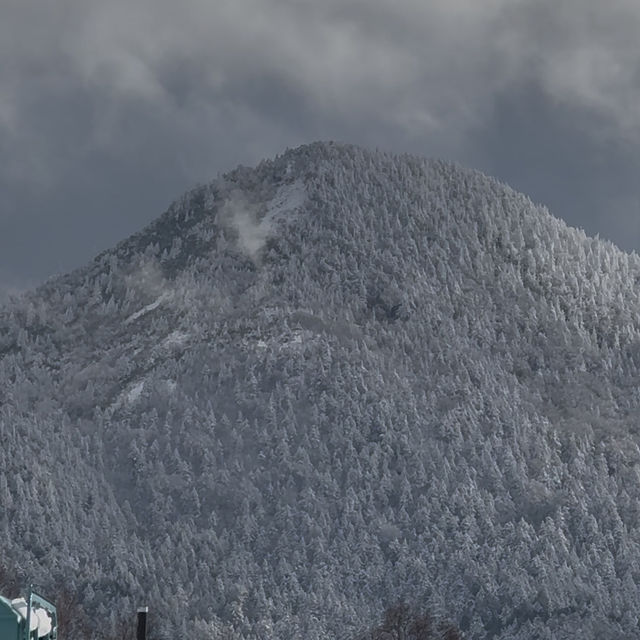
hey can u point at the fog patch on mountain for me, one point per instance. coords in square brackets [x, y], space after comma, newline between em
[12, 287]
[240, 215]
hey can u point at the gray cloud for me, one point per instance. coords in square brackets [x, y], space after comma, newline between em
[110, 110]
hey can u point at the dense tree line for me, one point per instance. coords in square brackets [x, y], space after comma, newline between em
[419, 387]
[402, 623]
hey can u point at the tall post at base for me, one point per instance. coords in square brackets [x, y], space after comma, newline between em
[141, 633]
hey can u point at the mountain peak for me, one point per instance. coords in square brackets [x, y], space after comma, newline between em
[332, 382]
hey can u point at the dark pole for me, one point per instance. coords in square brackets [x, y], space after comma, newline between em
[142, 623]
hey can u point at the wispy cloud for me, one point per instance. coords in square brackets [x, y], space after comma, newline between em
[439, 63]
[242, 216]
[176, 92]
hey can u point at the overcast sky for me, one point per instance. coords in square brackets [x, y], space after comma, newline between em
[110, 110]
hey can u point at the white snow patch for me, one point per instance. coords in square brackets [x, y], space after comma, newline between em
[288, 198]
[20, 605]
[135, 391]
[176, 339]
[282, 342]
[253, 233]
[150, 307]
[44, 621]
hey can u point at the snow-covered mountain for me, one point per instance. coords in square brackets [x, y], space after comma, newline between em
[317, 387]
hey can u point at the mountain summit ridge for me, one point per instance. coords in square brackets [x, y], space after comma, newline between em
[317, 387]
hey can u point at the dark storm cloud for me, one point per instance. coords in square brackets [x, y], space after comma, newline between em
[542, 150]
[110, 110]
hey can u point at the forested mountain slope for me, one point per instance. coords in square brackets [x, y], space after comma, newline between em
[333, 382]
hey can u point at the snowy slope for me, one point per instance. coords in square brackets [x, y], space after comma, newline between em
[325, 384]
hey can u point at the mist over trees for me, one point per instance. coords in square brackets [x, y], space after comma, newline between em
[370, 379]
